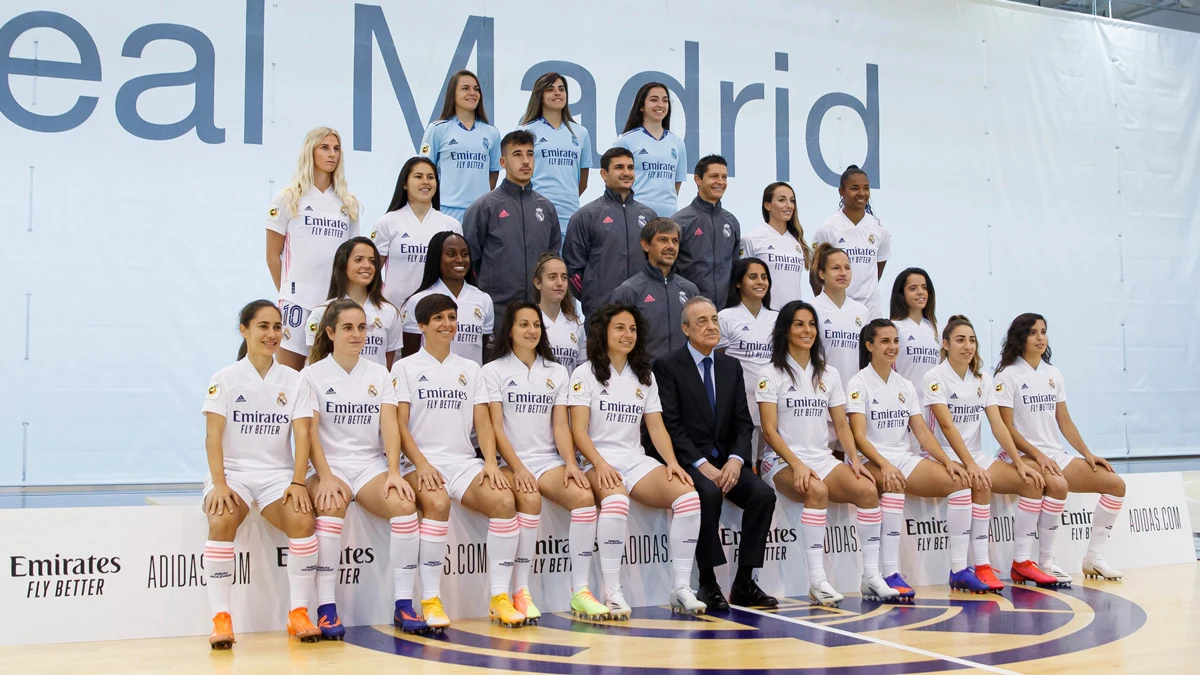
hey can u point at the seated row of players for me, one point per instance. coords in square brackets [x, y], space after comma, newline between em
[401, 441]
[533, 210]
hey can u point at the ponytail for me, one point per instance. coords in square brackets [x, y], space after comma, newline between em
[820, 258]
[322, 343]
[868, 335]
[246, 317]
[976, 364]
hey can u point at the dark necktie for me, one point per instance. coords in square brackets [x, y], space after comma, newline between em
[710, 390]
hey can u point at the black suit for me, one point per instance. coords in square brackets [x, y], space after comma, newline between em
[696, 431]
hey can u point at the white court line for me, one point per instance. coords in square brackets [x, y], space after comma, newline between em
[878, 641]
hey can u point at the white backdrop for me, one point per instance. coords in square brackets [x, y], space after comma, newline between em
[131, 585]
[1031, 160]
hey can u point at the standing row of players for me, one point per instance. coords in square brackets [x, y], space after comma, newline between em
[535, 209]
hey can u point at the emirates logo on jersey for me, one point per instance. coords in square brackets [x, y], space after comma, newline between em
[638, 393]
[550, 384]
[372, 391]
[462, 379]
[378, 323]
[281, 400]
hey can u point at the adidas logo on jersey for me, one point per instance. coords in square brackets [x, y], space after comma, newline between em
[874, 402]
[452, 142]
[953, 396]
[423, 379]
[503, 213]
[331, 392]
[604, 392]
[826, 322]
[643, 151]
[770, 247]
[911, 338]
[791, 387]
[649, 298]
[511, 383]
[404, 236]
[606, 220]
[1024, 386]
[745, 328]
[308, 208]
[240, 399]
[541, 140]
[842, 240]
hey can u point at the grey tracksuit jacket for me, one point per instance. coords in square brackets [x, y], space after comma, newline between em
[507, 229]
[708, 245]
[603, 246]
[660, 300]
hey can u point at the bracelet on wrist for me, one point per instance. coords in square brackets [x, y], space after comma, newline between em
[300, 484]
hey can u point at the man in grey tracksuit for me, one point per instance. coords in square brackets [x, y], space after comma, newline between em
[658, 291]
[709, 235]
[603, 246]
[509, 227]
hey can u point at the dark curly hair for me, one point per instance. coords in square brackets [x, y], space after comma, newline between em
[779, 341]
[597, 343]
[1018, 334]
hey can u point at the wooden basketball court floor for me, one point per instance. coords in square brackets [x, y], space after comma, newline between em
[1148, 623]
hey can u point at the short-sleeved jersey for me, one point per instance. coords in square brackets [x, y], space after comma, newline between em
[527, 396]
[747, 338]
[888, 407]
[464, 157]
[404, 240]
[866, 244]
[967, 398]
[568, 340]
[801, 407]
[1034, 395]
[476, 318]
[384, 332]
[348, 407]
[784, 255]
[258, 414]
[442, 396]
[310, 238]
[617, 408]
[559, 155]
[840, 329]
[920, 349]
[658, 164]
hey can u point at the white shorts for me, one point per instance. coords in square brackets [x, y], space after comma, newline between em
[982, 459]
[633, 466]
[772, 464]
[457, 474]
[903, 460]
[295, 333]
[539, 463]
[263, 487]
[1061, 458]
[357, 474]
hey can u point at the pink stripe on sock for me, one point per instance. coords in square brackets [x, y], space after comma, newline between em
[528, 521]
[327, 527]
[1111, 503]
[502, 526]
[1030, 505]
[584, 515]
[1052, 505]
[411, 527]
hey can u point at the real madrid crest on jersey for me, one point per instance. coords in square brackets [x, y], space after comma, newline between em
[638, 393]
[900, 395]
[727, 230]
[979, 392]
[378, 323]
[574, 141]
[762, 384]
[550, 384]
[674, 155]
[682, 297]
[345, 212]
[486, 143]
[281, 400]
[858, 321]
[372, 391]
[287, 334]
[821, 386]
[641, 221]
[478, 313]
[1051, 383]
[574, 339]
[462, 379]
[273, 214]
[871, 238]
[577, 386]
[539, 214]
[395, 382]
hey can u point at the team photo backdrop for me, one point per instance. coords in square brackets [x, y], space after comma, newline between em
[1030, 160]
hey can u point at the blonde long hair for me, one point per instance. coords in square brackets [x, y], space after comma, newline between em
[303, 179]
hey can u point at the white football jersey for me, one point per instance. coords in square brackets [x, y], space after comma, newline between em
[967, 398]
[404, 241]
[867, 244]
[801, 408]
[476, 318]
[568, 340]
[528, 396]
[617, 408]
[920, 349]
[840, 329]
[258, 414]
[784, 256]
[442, 396]
[887, 405]
[1033, 395]
[747, 338]
[311, 236]
[383, 330]
[348, 407]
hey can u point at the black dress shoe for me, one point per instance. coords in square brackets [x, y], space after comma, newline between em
[750, 595]
[711, 595]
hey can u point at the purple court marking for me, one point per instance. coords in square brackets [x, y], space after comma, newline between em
[1116, 618]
